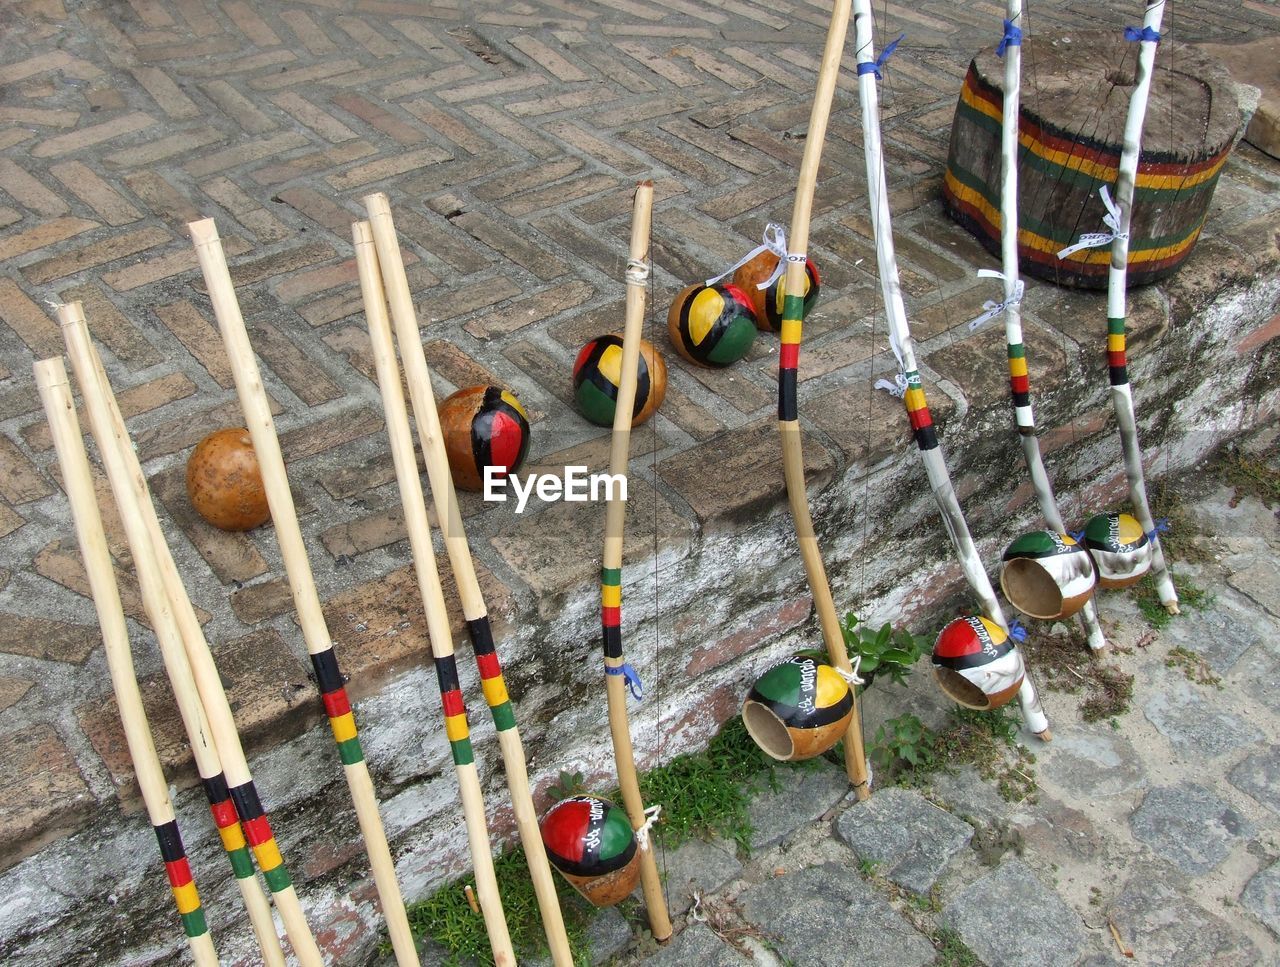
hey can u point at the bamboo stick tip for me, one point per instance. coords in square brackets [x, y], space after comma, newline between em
[1045, 736]
[1172, 607]
[863, 791]
[647, 183]
[362, 232]
[50, 372]
[203, 231]
[376, 204]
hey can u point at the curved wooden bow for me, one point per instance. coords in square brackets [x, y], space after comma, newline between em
[855, 762]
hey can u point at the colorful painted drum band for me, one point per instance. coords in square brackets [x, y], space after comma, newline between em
[591, 843]
[483, 426]
[976, 663]
[798, 709]
[712, 325]
[770, 301]
[1046, 575]
[598, 371]
[1120, 549]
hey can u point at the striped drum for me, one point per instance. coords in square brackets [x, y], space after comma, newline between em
[591, 843]
[798, 709]
[767, 302]
[976, 663]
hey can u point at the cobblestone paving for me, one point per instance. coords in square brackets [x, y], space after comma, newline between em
[508, 137]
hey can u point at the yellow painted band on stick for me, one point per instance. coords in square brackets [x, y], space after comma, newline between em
[455, 727]
[611, 595]
[232, 837]
[1018, 366]
[495, 690]
[186, 897]
[915, 400]
[344, 727]
[268, 855]
[791, 329]
[1115, 342]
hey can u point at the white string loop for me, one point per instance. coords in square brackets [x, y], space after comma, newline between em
[651, 815]
[1097, 239]
[898, 388]
[851, 677]
[775, 241]
[992, 308]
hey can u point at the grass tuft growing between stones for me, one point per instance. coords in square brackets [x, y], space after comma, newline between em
[1194, 667]
[952, 951]
[910, 752]
[1249, 476]
[446, 916]
[1189, 597]
[1065, 664]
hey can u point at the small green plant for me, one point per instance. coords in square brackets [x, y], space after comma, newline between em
[869, 868]
[1189, 596]
[1249, 475]
[888, 651]
[447, 917]
[952, 951]
[1193, 666]
[568, 785]
[903, 748]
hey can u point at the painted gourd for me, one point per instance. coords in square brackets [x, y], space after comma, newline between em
[224, 481]
[798, 709]
[483, 426]
[768, 302]
[1046, 575]
[712, 325]
[591, 843]
[1119, 548]
[598, 371]
[976, 663]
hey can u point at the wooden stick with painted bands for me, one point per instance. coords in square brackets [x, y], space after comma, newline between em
[445, 500]
[855, 759]
[60, 410]
[1019, 381]
[424, 563]
[615, 664]
[1117, 308]
[179, 635]
[900, 340]
[315, 632]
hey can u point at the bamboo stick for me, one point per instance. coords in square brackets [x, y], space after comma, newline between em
[192, 676]
[611, 565]
[55, 394]
[445, 500]
[315, 632]
[909, 375]
[855, 759]
[424, 563]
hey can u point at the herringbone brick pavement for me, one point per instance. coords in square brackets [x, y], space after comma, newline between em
[508, 137]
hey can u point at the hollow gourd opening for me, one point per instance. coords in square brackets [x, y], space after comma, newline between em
[1031, 589]
[768, 731]
[960, 690]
